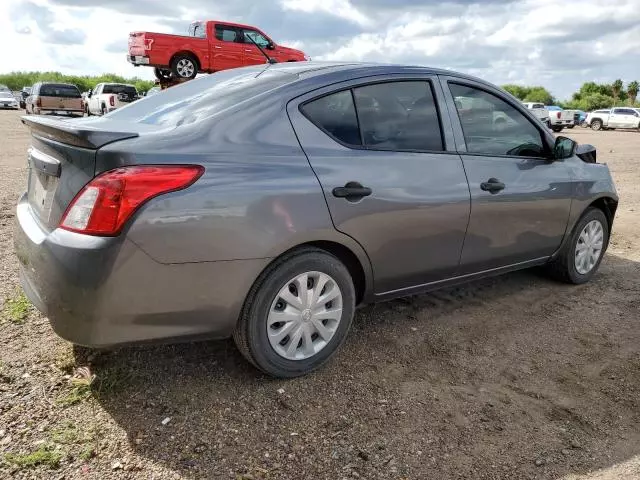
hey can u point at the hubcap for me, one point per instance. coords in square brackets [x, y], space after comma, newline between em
[185, 67]
[304, 315]
[589, 247]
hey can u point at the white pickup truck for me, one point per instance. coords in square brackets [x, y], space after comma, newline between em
[540, 111]
[560, 118]
[107, 97]
[621, 117]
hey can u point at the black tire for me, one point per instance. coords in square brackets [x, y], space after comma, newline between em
[563, 267]
[162, 73]
[184, 66]
[596, 124]
[103, 110]
[251, 331]
[88, 111]
[570, 126]
[557, 129]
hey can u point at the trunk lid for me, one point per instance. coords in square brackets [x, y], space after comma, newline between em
[62, 160]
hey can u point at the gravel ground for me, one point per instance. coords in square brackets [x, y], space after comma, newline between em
[514, 377]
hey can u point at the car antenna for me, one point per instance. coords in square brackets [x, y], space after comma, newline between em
[270, 60]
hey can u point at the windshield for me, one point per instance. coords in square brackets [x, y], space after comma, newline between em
[115, 88]
[203, 97]
[4, 94]
[59, 90]
[198, 29]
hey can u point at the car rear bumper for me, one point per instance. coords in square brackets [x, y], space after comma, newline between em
[99, 291]
[138, 59]
[558, 123]
[49, 111]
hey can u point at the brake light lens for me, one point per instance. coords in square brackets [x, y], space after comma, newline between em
[558, 115]
[105, 204]
[112, 101]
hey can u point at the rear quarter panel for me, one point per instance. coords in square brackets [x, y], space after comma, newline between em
[165, 46]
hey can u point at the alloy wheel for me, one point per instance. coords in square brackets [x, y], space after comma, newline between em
[589, 247]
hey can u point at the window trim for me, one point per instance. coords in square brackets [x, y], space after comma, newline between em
[471, 84]
[428, 81]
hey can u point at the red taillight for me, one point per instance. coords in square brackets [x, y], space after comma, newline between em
[112, 101]
[38, 102]
[558, 115]
[105, 204]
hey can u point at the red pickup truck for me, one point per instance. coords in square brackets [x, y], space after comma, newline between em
[210, 47]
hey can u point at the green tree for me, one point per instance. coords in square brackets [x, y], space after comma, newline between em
[616, 88]
[632, 91]
[539, 94]
[17, 80]
[517, 91]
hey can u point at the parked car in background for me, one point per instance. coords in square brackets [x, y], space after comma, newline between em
[8, 100]
[540, 112]
[619, 117]
[581, 118]
[267, 202]
[4, 88]
[55, 99]
[560, 118]
[24, 94]
[209, 47]
[107, 97]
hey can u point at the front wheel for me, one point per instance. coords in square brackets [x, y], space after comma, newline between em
[581, 255]
[297, 314]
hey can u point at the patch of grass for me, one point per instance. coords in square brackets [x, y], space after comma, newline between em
[87, 453]
[110, 381]
[66, 434]
[66, 360]
[17, 309]
[45, 455]
[81, 388]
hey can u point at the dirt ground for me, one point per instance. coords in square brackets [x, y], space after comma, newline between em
[515, 377]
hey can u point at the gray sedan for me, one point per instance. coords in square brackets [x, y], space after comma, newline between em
[266, 203]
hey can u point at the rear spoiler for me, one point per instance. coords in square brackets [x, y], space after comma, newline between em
[74, 133]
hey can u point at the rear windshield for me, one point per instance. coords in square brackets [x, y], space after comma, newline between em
[203, 97]
[128, 89]
[57, 90]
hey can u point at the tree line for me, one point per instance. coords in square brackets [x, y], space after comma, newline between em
[591, 95]
[17, 80]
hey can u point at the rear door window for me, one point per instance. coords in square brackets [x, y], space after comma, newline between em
[396, 116]
[336, 115]
[225, 33]
[399, 116]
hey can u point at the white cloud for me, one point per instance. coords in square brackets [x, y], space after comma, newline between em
[557, 44]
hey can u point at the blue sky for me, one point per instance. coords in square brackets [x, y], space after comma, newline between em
[558, 44]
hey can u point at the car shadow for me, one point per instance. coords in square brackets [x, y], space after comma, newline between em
[508, 377]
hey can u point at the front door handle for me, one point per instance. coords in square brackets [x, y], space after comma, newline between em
[352, 191]
[493, 185]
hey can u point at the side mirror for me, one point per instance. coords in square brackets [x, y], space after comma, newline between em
[564, 148]
[89, 94]
[270, 46]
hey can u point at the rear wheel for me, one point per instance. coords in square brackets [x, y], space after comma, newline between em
[104, 110]
[297, 314]
[596, 125]
[162, 73]
[557, 129]
[581, 255]
[184, 66]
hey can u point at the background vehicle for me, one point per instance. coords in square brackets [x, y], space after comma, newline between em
[540, 111]
[4, 88]
[210, 47]
[221, 230]
[54, 98]
[560, 118]
[107, 97]
[8, 100]
[619, 117]
[24, 93]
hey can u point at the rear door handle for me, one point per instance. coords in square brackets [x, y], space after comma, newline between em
[352, 191]
[493, 185]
